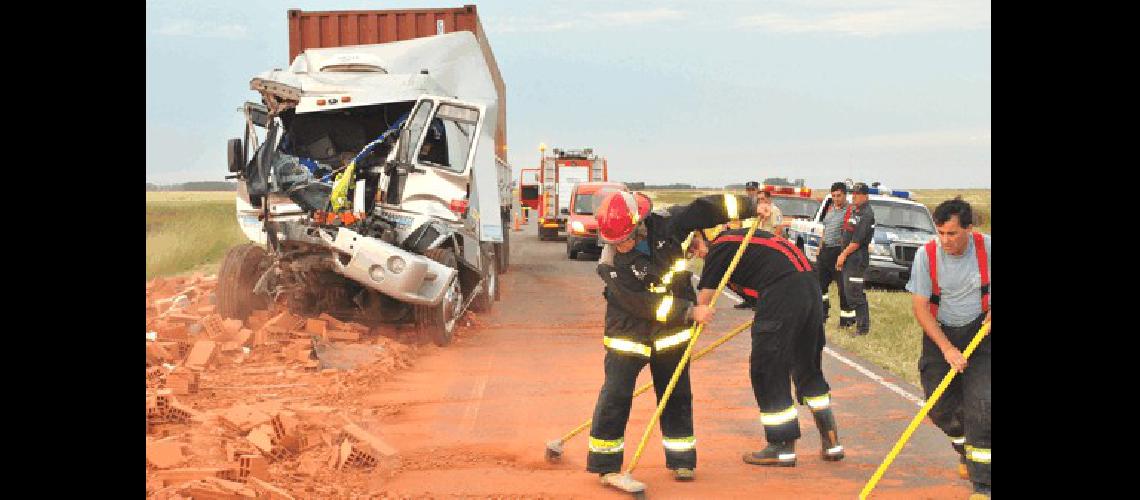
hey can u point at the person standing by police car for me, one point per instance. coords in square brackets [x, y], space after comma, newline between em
[857, 231]
[829, 253]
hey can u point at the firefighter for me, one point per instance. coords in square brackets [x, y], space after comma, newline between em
[649, 307]
[787, 339]
[950, 287]
[857, 230]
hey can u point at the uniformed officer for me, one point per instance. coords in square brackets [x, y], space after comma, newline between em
[787, 339]
[858, 230]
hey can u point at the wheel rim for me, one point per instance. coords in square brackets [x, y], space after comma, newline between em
[452, 299]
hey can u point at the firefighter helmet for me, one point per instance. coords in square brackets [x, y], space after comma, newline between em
[619, 214]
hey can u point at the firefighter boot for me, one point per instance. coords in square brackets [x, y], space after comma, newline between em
[780, 454]
[862, 319]
[963, 472]
[981, 492]
[684, 474]
[846, 318]
[831, 451]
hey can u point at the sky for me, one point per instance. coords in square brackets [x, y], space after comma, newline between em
[707, 92]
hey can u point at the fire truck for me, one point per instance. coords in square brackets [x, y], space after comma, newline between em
[795, 203]
[558, 174]
[529, 189]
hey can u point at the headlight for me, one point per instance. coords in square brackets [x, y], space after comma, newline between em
[577, 227]
[882, 250]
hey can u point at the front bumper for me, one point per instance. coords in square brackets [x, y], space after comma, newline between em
[886, 272]
[374, 264]
[583, 243]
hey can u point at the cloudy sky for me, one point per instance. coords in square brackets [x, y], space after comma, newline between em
[708, 93]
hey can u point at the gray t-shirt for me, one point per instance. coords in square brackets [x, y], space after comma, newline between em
[832, 222]
[958, 280]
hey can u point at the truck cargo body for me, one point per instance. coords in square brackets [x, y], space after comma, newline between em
[557, 177]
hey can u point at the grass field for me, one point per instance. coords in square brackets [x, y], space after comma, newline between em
[189, 231]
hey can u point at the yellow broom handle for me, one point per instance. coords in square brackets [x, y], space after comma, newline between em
[921, 414]
[689, 349]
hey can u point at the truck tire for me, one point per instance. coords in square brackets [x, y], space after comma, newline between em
[241, 267]
[438, 322]
[570, 253]
[486, 297]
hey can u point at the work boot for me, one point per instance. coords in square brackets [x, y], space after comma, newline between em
[963, 472]
[623, 481]
[779, 454]
[684, 474]
[831, 450]
[846, 322]
[981, 492]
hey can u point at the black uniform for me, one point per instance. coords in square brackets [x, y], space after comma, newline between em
[787, 333]
[647, 300]
[858, 227]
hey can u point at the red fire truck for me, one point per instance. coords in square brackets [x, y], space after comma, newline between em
[558, 175]
[529, 191]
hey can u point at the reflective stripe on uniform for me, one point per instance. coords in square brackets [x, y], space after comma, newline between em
[825, 296]
[679, 444]
[958, 440]
[663, 309]
[778, 418]
[835, 449]
[730, 206]
[855, 280]
[846, 314]
[626, 346]
[666, 342]
[606, 445]
[818, 402]
[979, 455]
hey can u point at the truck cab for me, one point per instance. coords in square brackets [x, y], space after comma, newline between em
[529, 189]
[582, 226]
[902, 225]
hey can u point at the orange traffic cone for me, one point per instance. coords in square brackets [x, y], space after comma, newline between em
[517, 223]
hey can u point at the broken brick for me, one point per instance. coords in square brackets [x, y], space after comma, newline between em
[244, 336]
[182, 381]
[232, 327]
[362, 436]
[244, 418]
[343, 335]
[252, 466]
[164, 454]
[206, 310]
[262, 437]
[268, 491]
[176, 476]
[156, 354]
[316, 327]
[215, 327]
[215, 488]
[201, 354]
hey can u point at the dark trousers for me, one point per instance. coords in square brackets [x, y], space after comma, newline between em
[611, 413]
[787, 345]
[964, 408]
[853, 270]
[825, 266]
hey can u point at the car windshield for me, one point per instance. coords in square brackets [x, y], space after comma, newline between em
[796, 207]
[902, 215]
[584, 204]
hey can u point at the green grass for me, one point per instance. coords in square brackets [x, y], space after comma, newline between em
[189, 232]
[895, 340]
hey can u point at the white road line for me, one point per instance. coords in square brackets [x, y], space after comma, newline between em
[871, 375]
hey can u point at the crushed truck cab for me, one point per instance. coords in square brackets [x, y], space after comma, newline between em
[369, 174]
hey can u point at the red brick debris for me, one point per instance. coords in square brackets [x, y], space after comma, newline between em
[245, 409]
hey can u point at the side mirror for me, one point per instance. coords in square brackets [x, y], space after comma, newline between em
[235, 152]
[402, 152]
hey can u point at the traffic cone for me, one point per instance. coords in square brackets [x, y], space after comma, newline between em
[517, 229]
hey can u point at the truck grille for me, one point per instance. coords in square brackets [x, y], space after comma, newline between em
[904, 253]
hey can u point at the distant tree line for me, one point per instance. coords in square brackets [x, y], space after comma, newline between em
[194, 186]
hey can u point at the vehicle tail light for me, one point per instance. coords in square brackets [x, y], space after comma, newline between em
[458, 206]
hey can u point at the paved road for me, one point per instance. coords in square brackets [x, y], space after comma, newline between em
[472, 419]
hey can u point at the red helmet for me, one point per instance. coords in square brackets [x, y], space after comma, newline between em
[619, 213]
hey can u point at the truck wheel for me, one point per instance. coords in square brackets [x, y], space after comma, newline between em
[570, 253]
[438, 322]
[486, 297]
[241, 267]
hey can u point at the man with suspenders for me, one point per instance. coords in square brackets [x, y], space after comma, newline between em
[950, 283]
[787, 339]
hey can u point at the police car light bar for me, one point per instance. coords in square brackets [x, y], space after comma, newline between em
[804, 192]
[898, 193]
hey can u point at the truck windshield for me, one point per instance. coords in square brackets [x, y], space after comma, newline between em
[902, 215]
[584, 204]
[796, 207]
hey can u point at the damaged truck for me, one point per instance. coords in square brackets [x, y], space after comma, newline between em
[372, 176]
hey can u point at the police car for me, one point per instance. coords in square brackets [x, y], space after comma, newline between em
[902, 225]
